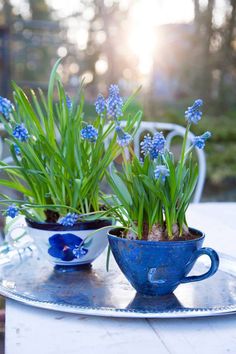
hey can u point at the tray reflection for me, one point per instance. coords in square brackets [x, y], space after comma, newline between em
[92, 290]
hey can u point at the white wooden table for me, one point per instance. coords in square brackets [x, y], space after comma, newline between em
[36, 331]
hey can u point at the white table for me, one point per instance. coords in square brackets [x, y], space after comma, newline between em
[36, 331]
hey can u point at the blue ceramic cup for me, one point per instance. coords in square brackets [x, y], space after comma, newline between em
[157, 268]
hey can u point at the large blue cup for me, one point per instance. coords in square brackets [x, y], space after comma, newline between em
[157, 268]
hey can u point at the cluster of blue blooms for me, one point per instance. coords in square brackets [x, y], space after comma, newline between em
[12, 211]
[200, 141]
[69, 220]
[146, 145]
[17, 149]
[100, 104]
[21, 133]
[153, 146]
[5, 107]
[89, 133]
[113, 103]
[161, 171]
[193, 114]
[68, 103]
[123, 138]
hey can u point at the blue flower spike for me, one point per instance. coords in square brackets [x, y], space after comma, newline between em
[100, 104]
[123, 138]
[69, 103]
[17, 149]
[161, 171]
[193, 113]
[89, 133]
[114, 102]
[21, 133]
[158, 145]
[114, 90]
[12, 211]
[200, 141]
[6, 107]
[146, 145]
[69, 220]
[153, 146]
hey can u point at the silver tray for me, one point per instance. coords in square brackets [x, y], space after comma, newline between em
[93, 291]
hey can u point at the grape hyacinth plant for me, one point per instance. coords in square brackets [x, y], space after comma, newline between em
[59, 156]
[12, 211]
[69, 220]
[89, 133]
[114, 102]
[152, 194]
[20, 133]
[5, 107]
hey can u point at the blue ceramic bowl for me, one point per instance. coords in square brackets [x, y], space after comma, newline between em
[157, 268]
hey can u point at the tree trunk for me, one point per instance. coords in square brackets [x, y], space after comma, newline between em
[207, 67]
[226, 55]
[197, 16]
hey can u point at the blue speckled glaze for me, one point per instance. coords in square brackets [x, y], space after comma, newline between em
[157, 268]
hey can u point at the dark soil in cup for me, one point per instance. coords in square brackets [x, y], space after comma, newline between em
[159, 233]
[51, 216]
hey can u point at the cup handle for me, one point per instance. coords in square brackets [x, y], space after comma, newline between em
[213, 268]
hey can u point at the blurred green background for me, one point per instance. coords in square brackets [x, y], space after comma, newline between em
[177, 50]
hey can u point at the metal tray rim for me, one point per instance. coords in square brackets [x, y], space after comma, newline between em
[127, 312]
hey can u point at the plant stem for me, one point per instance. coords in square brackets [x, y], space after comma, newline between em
[182, 158]
[184, 145]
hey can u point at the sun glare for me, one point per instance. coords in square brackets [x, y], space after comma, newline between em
[141, 39]
[145, 17]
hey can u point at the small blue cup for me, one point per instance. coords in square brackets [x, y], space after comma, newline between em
[157, 268]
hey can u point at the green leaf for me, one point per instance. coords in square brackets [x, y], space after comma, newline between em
[16, 186]
[121, 188]
[140, 217]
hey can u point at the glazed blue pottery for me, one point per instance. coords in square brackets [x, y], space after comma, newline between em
[158, 267]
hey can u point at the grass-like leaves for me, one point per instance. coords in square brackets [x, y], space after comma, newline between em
[57, 169]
